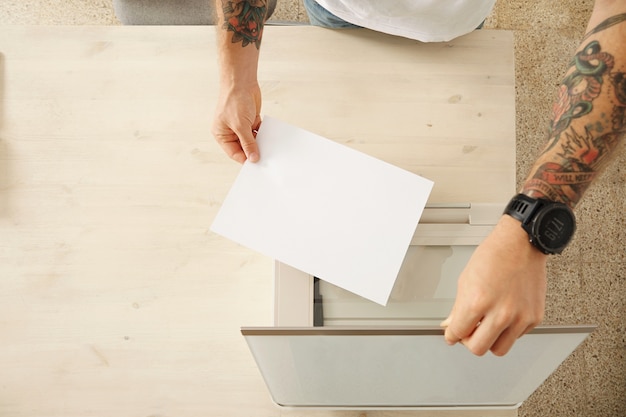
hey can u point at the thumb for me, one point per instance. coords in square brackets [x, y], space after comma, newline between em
[248, 141]
[446, 323]
[451, 338]
[249, 145]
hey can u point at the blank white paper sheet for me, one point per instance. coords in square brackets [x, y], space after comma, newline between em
[325, 209]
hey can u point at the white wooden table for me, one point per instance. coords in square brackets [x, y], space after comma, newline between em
[115, 299]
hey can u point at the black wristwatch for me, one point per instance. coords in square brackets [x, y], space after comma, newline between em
[550, 225]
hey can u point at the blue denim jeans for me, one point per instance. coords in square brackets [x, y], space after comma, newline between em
[319, 16]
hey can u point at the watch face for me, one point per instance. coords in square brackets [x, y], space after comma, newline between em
[554, 227]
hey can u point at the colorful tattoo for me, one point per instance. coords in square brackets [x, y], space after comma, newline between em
[580, 87]
[245, 18]
[588, 122]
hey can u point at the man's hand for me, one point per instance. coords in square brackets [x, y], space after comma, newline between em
[236, 122]
[501, 293]
[240, 30]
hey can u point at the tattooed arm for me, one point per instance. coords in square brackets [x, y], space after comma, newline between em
[240, 29]
[589, 117]
[503, 286]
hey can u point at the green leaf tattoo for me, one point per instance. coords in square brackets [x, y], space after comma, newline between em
[611, 21]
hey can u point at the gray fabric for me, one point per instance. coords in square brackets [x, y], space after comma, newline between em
[169, 12]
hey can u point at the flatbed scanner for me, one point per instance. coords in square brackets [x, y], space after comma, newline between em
[331, 349]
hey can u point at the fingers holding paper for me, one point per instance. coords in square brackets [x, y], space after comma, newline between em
[237, 120]
[500, 294]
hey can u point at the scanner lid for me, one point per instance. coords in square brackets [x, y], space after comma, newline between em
[410, 367]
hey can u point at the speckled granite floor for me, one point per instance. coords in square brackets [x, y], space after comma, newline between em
[588, 283]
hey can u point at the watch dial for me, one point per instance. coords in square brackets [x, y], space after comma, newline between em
[554, 228]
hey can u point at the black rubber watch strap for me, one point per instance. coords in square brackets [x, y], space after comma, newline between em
[521, 207]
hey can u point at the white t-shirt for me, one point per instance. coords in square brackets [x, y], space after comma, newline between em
[424, 20]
